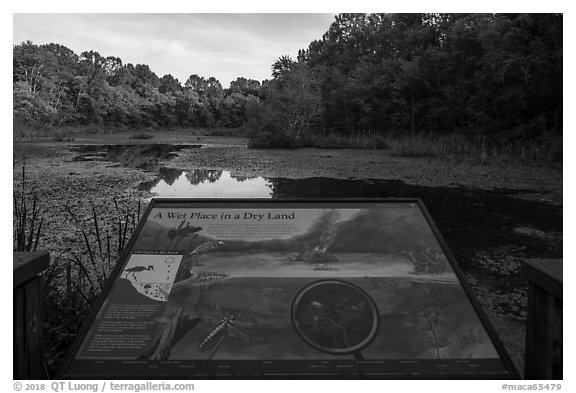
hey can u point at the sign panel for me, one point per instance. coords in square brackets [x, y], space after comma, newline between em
[231, 288]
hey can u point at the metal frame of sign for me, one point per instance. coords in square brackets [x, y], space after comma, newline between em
[321, 368]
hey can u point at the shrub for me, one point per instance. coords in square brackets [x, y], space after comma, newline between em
[334, 141]
[142, 135]
[24, 130]
[94, 128]
[227, 131]
[272, 140]
[63, 135]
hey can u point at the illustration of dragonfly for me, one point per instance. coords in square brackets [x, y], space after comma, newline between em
[228, 325]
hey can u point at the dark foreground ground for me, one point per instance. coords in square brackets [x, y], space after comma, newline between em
[492, 216]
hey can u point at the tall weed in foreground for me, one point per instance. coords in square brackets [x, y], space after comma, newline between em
[77, 277]
[28, 220]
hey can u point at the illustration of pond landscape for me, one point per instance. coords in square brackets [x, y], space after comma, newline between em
[354, 284]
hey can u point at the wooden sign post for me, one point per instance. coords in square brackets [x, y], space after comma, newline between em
[544, 323]
[28, 331]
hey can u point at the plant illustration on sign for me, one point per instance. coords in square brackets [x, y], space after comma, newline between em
[204, 248]
[207, 281]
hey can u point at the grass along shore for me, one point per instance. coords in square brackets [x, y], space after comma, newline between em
[545, 150]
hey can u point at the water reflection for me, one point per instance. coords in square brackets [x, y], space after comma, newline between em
[204, 183]
[145, 156]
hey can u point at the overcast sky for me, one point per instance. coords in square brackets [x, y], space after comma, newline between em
[225, 46]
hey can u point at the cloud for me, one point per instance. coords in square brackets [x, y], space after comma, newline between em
[225, 46]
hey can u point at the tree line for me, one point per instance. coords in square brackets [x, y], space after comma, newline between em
[374, 74]
[55, 86]
[369, 75]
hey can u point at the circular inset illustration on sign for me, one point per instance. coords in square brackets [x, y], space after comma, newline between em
[335, 316]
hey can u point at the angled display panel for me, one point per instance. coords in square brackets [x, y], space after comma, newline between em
[324, 288]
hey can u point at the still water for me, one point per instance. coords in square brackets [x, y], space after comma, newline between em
[201, 183]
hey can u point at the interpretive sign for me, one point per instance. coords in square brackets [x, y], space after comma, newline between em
[322, 288]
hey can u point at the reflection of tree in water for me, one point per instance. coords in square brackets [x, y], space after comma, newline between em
[243, 178]
[169, 175]
[197, 176]
[140, 156]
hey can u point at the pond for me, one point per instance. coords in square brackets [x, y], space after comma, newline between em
[470, 219]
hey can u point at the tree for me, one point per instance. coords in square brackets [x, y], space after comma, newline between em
[282, 67]
[291, 108]
[196, 83]
[169, 85]
[233, 109]
[91, 104]
[245, 87]
[480, 74]
[42, 76]
[411, 85]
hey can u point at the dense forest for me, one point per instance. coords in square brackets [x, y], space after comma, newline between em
[369, 75]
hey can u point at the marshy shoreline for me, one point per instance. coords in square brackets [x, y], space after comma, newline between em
[64, 183]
